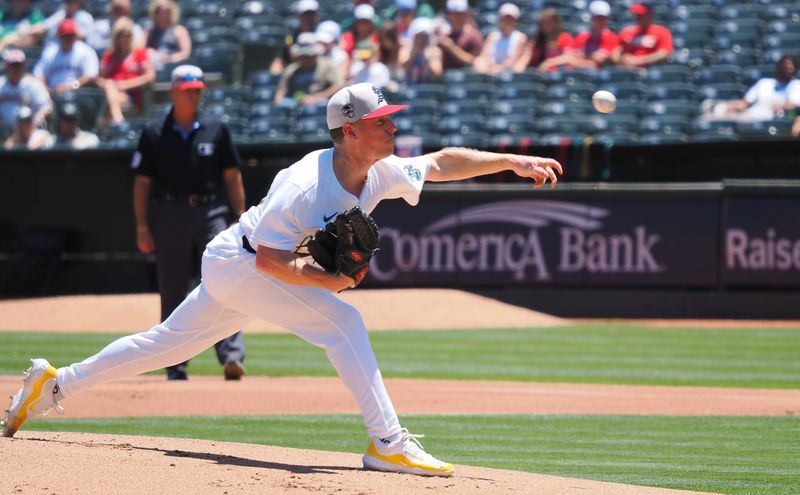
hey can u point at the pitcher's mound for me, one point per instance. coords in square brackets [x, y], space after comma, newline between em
[39, 462]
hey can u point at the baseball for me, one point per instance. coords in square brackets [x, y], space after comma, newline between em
[604, 101]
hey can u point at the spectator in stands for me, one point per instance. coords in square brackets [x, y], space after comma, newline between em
[72, 9]
[402, 14]
[363, 29]
[769, 98]
[26, 135]
[307, 12]
[99, 37]
[389, 53]
[19, 89]
[591, 49]
[69, 65]
[645, 43]
[423, 62]
[124, 71]
[367, 68]
[69, 134]
[550, 43]
[461, 42]
[311, 79]
[505, 47]
[16, 24]
[168, 41]
[329, 34]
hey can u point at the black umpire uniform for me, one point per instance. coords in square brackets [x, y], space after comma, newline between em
[186, 171]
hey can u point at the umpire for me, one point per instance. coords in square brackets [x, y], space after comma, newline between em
[183, 161]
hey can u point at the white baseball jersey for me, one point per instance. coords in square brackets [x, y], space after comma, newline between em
[307, 195]
[767, 92]
[57, 67]
[28, 92]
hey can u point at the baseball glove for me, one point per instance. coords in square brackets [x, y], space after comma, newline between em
[346, 244]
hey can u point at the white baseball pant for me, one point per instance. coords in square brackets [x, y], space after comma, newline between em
[232, 294]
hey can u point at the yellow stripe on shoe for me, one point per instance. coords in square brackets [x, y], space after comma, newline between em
[15, 421]
[403, 464]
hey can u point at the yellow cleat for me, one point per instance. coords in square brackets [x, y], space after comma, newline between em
[404, 455]
[35, 397]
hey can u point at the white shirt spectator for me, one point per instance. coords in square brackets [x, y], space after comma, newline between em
[28, 92]
[766, 93]
[504, 46]
[83, 19]
[57, 67]
[376, 73]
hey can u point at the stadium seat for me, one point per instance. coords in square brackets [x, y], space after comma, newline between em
[735, 41]
[720, 127]
[461, 124]
[712, 137]
[575, 93]
[310, 126]
[691, 57]
[263, 78]
[529, 76]
[269, 110]
[424, 91]
[228, 94]
[790, 25]
[786, 41]
[412, 125]
[753, 10]
[684, 11]
[469, 107]
[570, 78]
[741, 57]
[261, 130]
[219, 61]
[513, 91]
[627, 91]
[698, 39]
[629, 108]
[675, 108]
[616, 138]
[560, 139]
[559, 124]
[778, 12]
[566, 107]
[769, 129]
[668, 74]
[666, 124]
[619, 75]
[464, 76]
[224, 34]
[672, 91]
[318, 111]
[753, 73]
[663, 138]
[513, 107]
[513, 141]
[752, 27]
[723, 91]
[481, 92]
[771, 57]
[685, 26]
[263, 94]
[471, 140]
[715, 74]
[509, 124]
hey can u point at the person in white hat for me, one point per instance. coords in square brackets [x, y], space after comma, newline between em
[505, 46]
[590, 49]
[462, 42]
[329, 33]
[18, 88]
[309, 80]
[307, 14]
[363, 28]
[423, 61]
[255, 270]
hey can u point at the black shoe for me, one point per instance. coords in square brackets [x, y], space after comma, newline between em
[177, 373]
[233, 370]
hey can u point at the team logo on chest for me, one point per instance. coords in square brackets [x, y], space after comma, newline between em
[205, 149]
[413, 173]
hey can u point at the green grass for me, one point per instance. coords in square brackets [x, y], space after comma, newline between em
[736, 455]
[601, 353]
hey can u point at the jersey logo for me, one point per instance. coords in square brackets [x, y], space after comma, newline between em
[136, 160]
[413, 173]
[328, 219]
[205, 149]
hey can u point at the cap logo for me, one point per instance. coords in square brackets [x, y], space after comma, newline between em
[348, 110]
[377, 92]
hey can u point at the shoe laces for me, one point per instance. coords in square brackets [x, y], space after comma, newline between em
[411, 443]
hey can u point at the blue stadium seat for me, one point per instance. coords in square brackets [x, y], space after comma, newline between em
[666, 124]
[424, 91]
[672, 91]
[741, 57]
[753, 10]
[461, 124]
[685, 26]
[529, 76]
[509, 124]
[616, 138]
[753, 73]
[719, 127]
[740, 26]
[514, 107]
[268, 127]
[566, 107]
[786, 41]
[469, 107]
[570, 77]
[471, 140]
[482, 92]
[712, 137]
[559, 124]
[614, 74]
[691, 57]
[203, 23]
[629, 108]
[575, 92]
[663, 138]
[515, 91]
[697, 39]
[224, 34]
[774, 55]
[267, 109]
[228, 94]
[676, 108]
[310, 129]
[668, 74]
[723, 91]
[684, 11]
[735, 41]
[769, 129]
[715, 74]
[318, 111]
[464, 76]
[413, 125]
[790, 25]
[427, 107]
[627, 91]
[263, 78]
[560, 139]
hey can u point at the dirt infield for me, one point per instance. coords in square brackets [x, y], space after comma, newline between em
[136, 465]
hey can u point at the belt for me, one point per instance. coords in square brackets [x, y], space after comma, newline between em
[189, 199]
[246, 245]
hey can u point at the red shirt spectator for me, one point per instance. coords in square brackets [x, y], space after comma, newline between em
[645, 43]
[131, 66]
[550, 42]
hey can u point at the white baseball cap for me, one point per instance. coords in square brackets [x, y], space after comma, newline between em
[457, 6]
[600, 8]
[358, 102]
[306, 6]
[421, 25]
[364, 11]
[306, 45]
[328, 31]
[188, 77]
[509, 9]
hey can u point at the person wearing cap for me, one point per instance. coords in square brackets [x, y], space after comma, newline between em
[309, 80]
[364, 27]
[367, 68]
[645, 43]
[307, 15]
[69, 65]
[402, 13]
[328, 35]
[593, 48]
[99, 37]
[124, 71]
[187, 162]
[551, 41]
[423, 62]
[461, 43]
[26, 134]
[47, 31]
[17, 89]
[69, 133]
[505, 47]
[16, 23]
[168, 41]
[257, 268]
